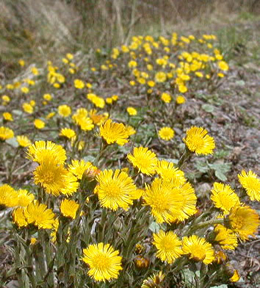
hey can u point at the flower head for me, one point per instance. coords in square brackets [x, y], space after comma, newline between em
[43, 151]
[198, 141]
[8, 196]
[166, 133]
[69, 208]
[8, 116]
[198, 249]
[180, 100]
[79, 84]
[103, 261]
[24, 198]
[168, 246]
[39, 124]
[244, 221]
[251, 183]
[153, 281]
[224, 197]
[166, 98]
[55, 179]
[67, 132]
[225, 237]
[114, 132]
[164, 201]
[19, 218]
[131, 111]
[167, 172]
[78, 167]
[64, 110]
[39, 215]
[143, 159]
[6, 133]
[115, 189]
[160, 77]
[23, 141]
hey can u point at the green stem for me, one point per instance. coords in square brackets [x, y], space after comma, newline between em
[203, 225]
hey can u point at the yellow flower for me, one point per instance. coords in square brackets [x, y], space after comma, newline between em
[132, 64]
[33, 241]
[251, 183]
[143, 159]
[244, 221]
[23, 141]
[8, 196]
[97, 119]
[198, 249]
[24, 198]
[69, 56]
[55, 179]
[187, 205]
[64, 110]
[39, 124]
[25, 90]
[109, 100]
[39, 215]
[160, 77]
[164, 200]
[198, 141]
[35, 71]
[103, 261]
[32, 103]
[78, 168]
[42, 151]
[130, 130]
[235, 276]
[21, 62]
[6, 98]
[79, 84]
[225, 237]
[8, 116]
[114, 133]
[6, 133]
[223, 66]
[224, 197]
[81, 119]
[50, 115]
[131, 111]
[166, 97]
[47, 97]
[168, 246]
[115, 189]
[180, 100]
[19, 218]
[28, 108]
[67, 132]
[166, 133]
[96, 100]
[167, 172]
[153, 281]
[69, 208]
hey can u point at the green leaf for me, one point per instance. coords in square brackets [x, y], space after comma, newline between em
[89, 158]
[220, 176]
[154, 227]
[208, 108]
[13, 142]
[202, 166]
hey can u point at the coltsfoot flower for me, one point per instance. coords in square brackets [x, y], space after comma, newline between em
[198, 249]
[198, 141]
[103, 261]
